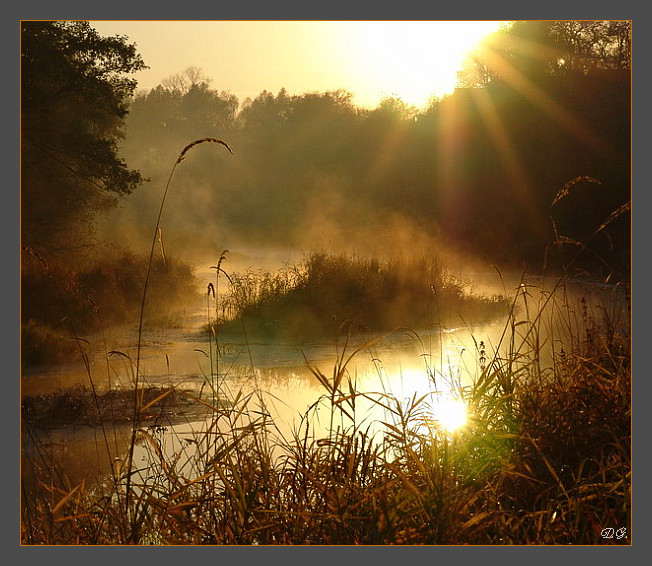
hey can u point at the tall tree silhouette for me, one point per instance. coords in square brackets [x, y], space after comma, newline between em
[74, 98]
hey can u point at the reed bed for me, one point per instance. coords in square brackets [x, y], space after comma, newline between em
[325, 293]
[544, 458]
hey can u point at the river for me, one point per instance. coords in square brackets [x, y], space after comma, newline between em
[405, 364]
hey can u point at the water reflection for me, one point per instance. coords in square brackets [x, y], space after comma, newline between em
[405, 365]
[436, 366]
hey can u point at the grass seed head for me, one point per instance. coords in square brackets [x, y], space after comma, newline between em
[200, 141]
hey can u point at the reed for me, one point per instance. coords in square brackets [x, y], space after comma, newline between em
[137, 393]
[327, 292]
[545, 456]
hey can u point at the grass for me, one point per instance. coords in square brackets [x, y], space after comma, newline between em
[326, 294]
[60, 302]
[84, 406]
[545, 456]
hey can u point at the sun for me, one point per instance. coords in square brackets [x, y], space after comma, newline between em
[450, 413]
[444, 407]
[410, 60]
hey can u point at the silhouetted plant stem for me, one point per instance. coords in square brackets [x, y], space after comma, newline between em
[136, 415]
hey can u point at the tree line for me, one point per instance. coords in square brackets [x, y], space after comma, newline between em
[543, 111]
[528, 162]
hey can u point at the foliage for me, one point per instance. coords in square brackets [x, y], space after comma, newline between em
[166, 114]
[74, 98]
[545, 457]
[475, 172]
[63, 302]
[534, 49]
[327, 294]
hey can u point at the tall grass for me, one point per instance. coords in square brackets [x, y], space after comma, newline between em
[137, 392]
[545, 456]
[325, 293]
[60, 300]
[132, 508]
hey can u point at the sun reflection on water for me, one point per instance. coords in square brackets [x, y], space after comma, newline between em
[450, 412]
[439, 398]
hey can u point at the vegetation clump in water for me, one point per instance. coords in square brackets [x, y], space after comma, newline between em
[80, 405]
[326, 292]
[544, 458]
[63, 302]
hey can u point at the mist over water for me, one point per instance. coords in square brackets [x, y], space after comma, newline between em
[330, 182]
[292, 320]
[407, 364]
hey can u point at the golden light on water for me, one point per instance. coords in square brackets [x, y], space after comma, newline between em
[441, 405]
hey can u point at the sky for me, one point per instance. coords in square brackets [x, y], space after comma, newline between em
[412, 60]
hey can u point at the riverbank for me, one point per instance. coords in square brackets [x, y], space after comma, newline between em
[82, 406]
[542, 455]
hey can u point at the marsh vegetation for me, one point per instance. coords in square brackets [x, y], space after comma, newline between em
[543, 456]
[373, 391]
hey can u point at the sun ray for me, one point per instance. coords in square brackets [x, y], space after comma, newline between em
[385, 155]
[537, 96]
[519, 179]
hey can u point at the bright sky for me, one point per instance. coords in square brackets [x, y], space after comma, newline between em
[370, 59]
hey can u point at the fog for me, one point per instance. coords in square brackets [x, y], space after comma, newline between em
[314, 172]
[345, 351]
[503, 177]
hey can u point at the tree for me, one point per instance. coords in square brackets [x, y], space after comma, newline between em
[182, 107]
[182, 82]
[205, 109]
[539, 49]
[74, 99]
[265, 110]
[584, 46]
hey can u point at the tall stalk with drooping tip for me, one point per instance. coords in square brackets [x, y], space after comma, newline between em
[213, 328]
[137, 404]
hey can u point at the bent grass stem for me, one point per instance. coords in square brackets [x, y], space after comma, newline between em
[136, 415]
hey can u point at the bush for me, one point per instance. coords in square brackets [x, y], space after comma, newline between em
[62, 301]
[328, 293]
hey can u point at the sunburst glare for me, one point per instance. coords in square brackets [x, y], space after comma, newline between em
[443, 404]
[450, 412]
[403, 58]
